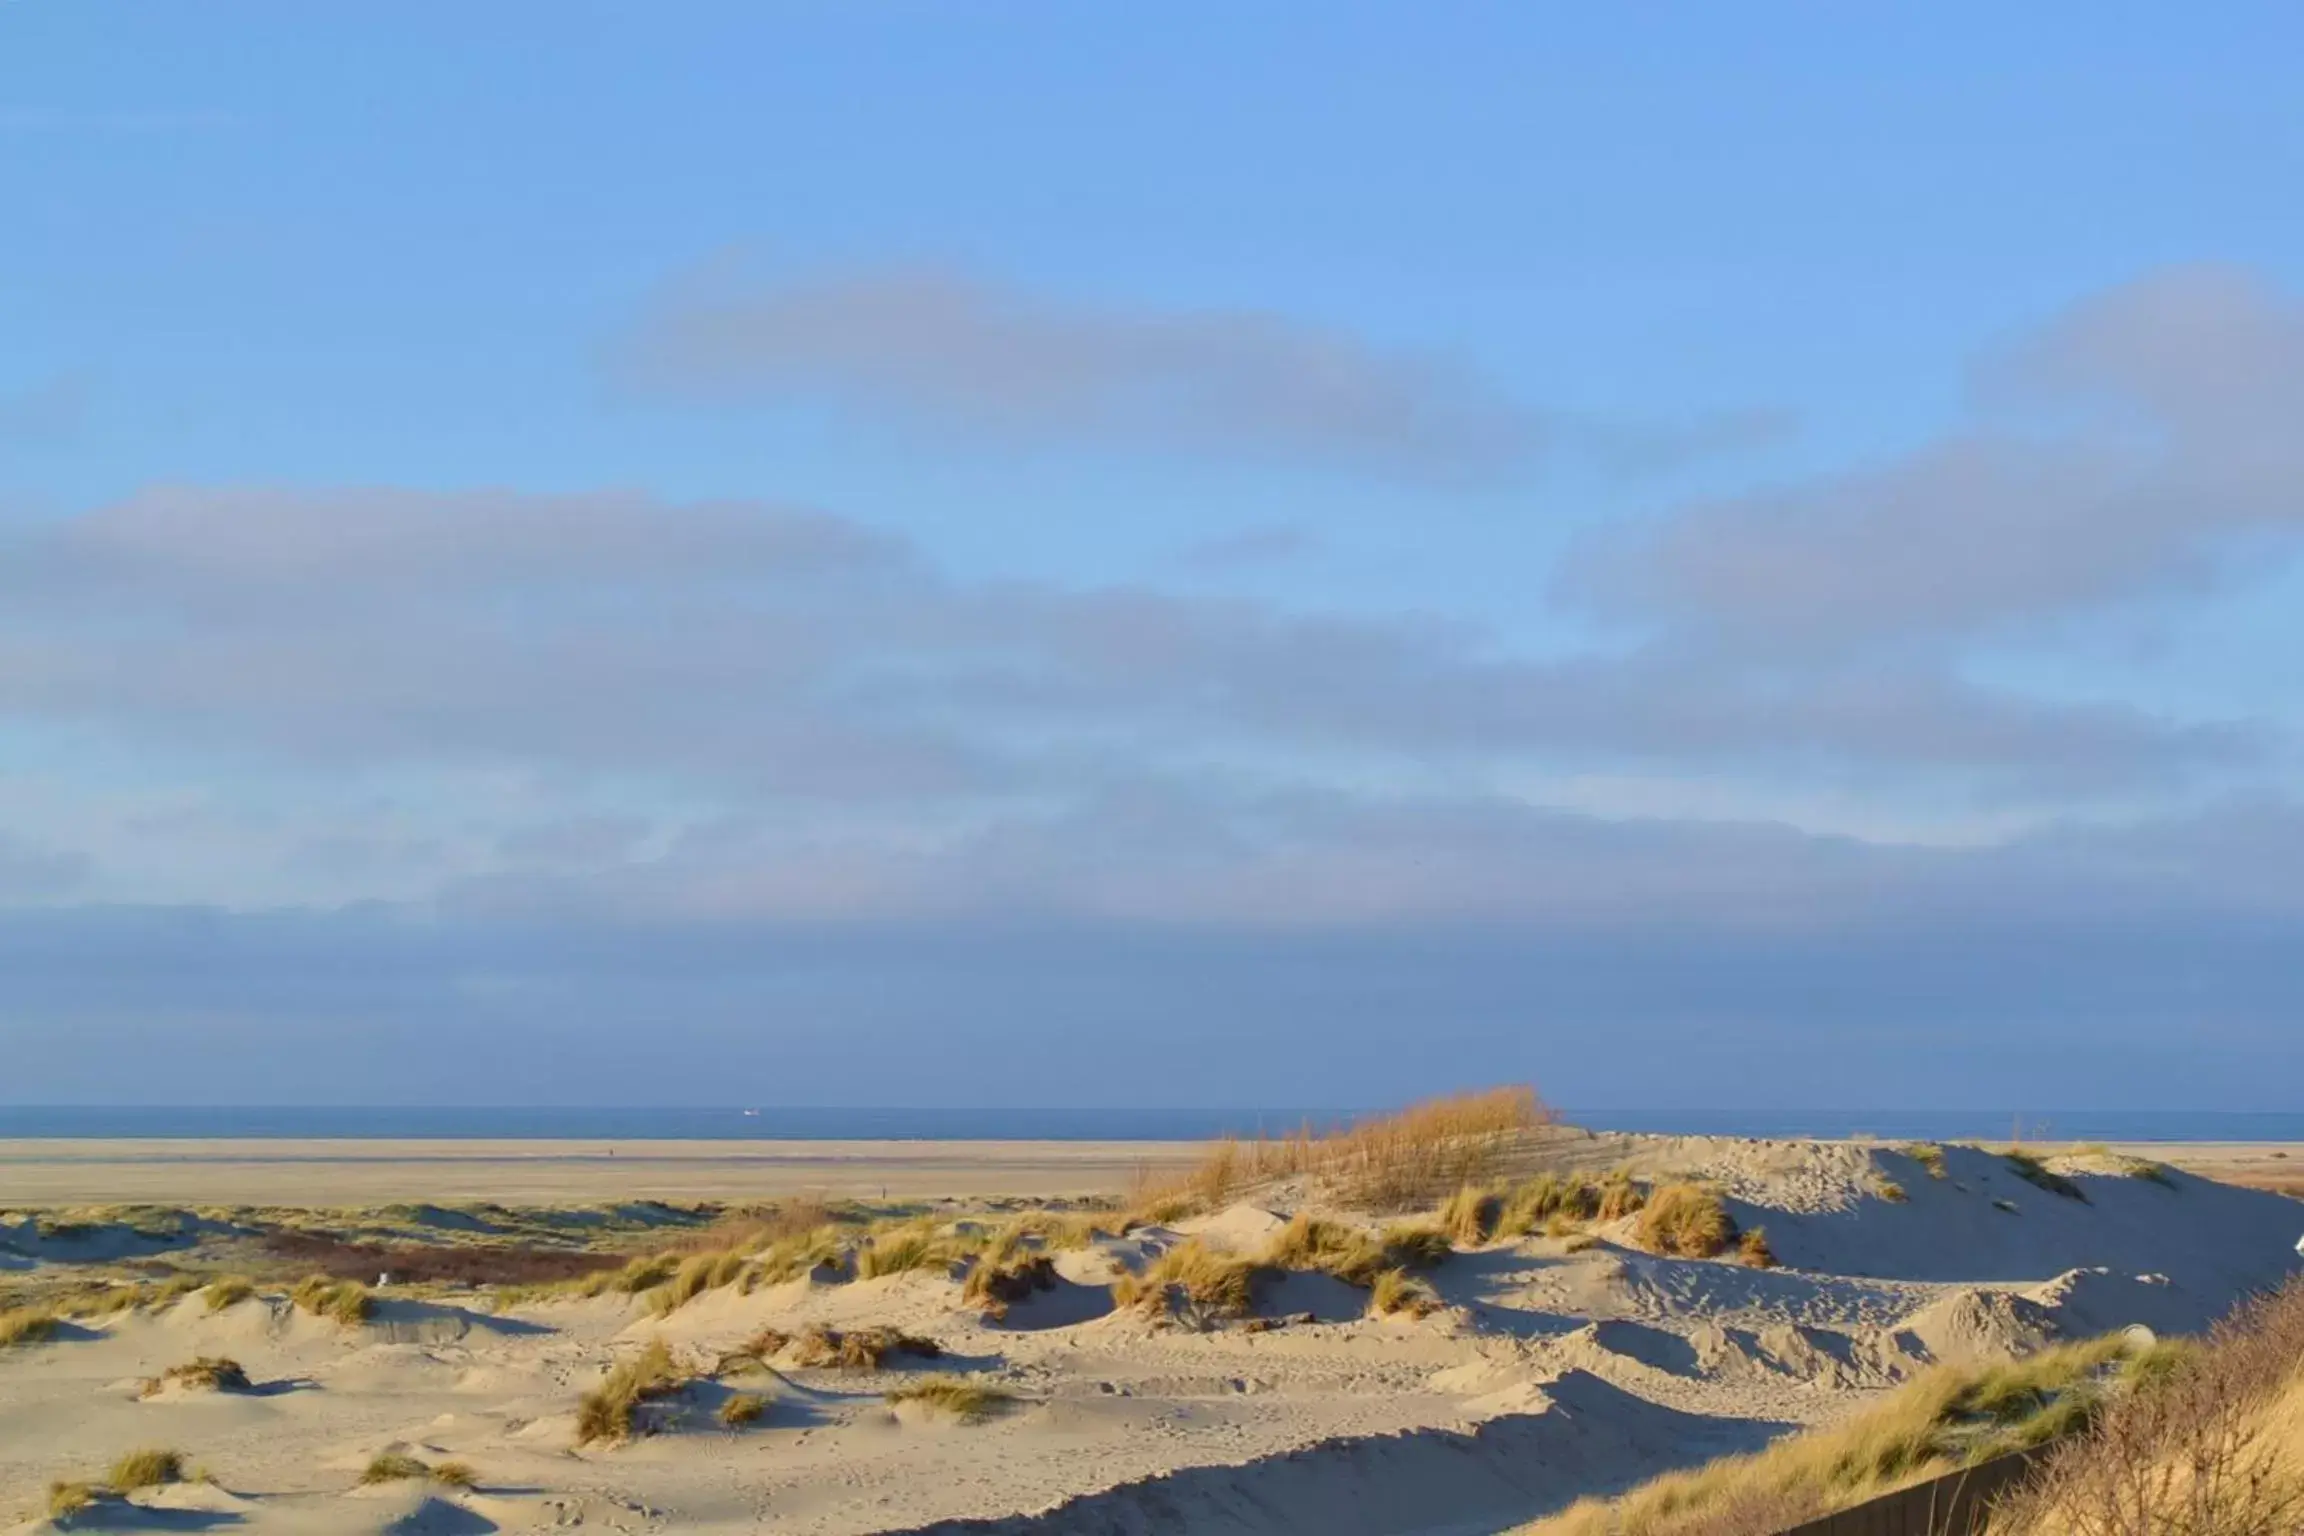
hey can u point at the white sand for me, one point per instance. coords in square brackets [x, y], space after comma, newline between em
[1550, 1374]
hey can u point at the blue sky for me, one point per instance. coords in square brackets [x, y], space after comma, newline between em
[1020, 553]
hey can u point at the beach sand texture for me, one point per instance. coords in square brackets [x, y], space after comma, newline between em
[1549, 1366]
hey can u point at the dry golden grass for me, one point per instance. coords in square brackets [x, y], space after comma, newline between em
[1471, 1215]
[347, 1301]
[966, 1400]
[755, 1352]
[2210, 1442]
[203, 1373]
[229, 1291]
[456, 1474]
[1929, 1156]
[1546, 1200]
[1620, 1197]
[1192, 1280]
[695, 1275]
[741, 1408]
[1752, 1250]
[858, 1349]
[609, 1412]
[1945, 1419]
[26, 1325]
[1395, 1290]
[393, 1467]
[1330, 1247]
[145, 1469]
[1685, 1221]
[1003, 1276]
[2032, 1171]
[913, 1245]
[1388, 1162]
[68, 1499]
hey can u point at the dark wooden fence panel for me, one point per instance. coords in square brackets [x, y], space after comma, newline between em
[1952, 1505]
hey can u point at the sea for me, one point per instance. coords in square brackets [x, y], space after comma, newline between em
[770, 1123]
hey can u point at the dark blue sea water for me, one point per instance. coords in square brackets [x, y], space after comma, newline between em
[773, 1124]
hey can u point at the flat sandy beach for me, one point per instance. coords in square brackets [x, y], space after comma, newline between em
[330, 1172]
[348, 1172]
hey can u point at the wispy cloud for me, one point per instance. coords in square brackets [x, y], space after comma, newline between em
[950, 353]
[2143, 444]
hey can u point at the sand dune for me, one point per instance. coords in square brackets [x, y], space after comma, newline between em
[1548, 1368]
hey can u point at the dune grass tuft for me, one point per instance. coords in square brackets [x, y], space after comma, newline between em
[68, 1499]
[1471, 1215]
[1002, 1277]
[1386, 1162]
[1891, 1191]
[1192, 1280]
[393, 1467]
[858, 1349]
[609, 1412]
[2036, 1173]
[1752, 1250]
[754, 1353]
[204, 1373]
[26, 1325]
[1686, 1221]
[145, 1469]
[1929, 1156]
[695, 1275]
[967, 1401]
[347, 1301]
[741, 1408]
[1395, 1290]
[915, 1245]
[1550, 1200]
[1621, 1197]
[455, 1474]
[229, 1291]
[1947, 1418]
[795, 1254]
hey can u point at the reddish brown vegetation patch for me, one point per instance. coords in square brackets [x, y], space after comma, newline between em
[422, 1264]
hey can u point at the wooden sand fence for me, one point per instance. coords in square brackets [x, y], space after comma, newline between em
[1956, 1504]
